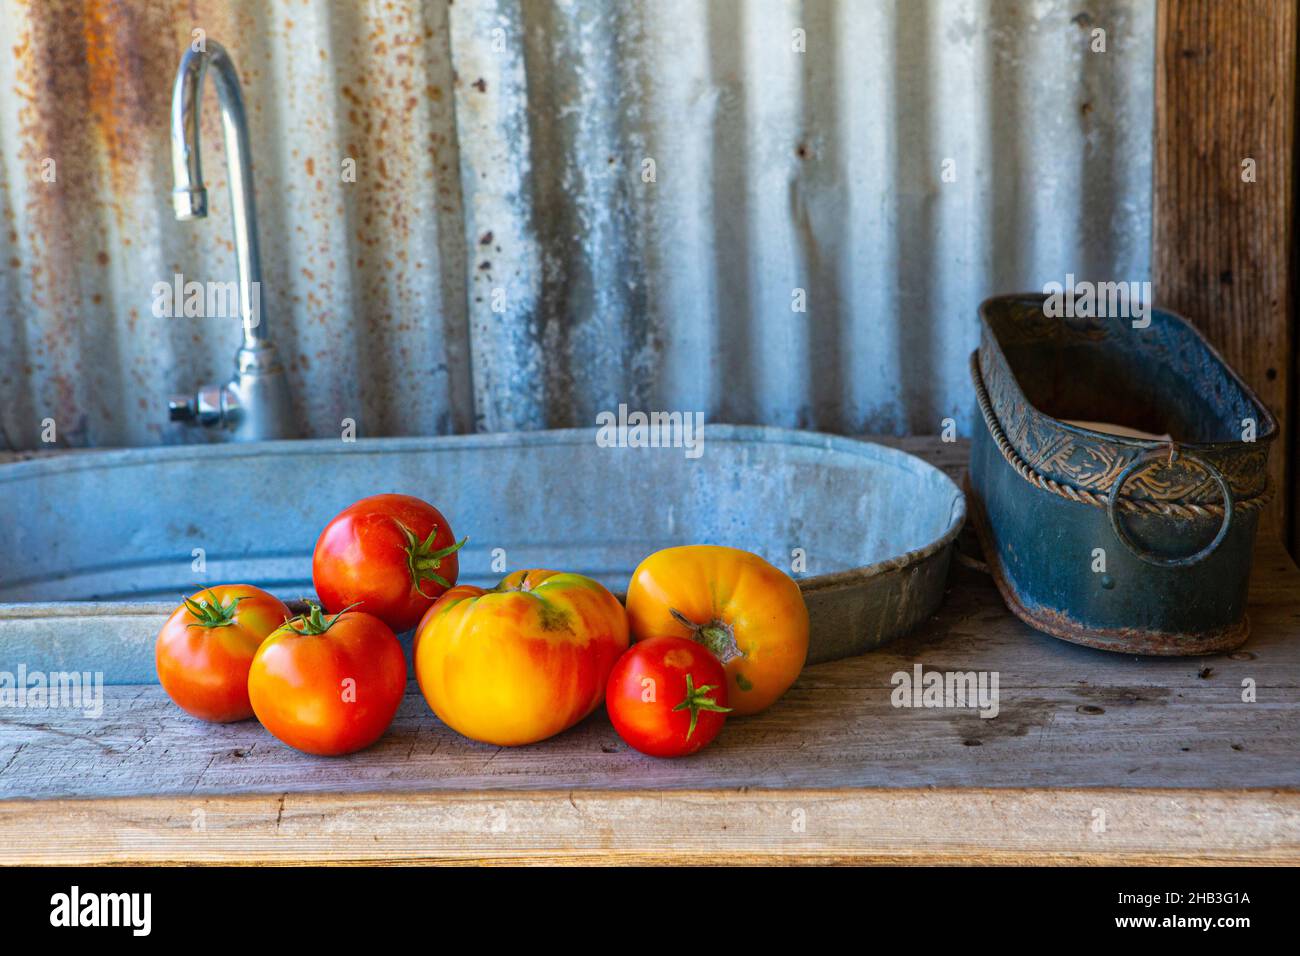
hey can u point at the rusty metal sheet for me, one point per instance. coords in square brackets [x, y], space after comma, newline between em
[364, 280]
[502, 260]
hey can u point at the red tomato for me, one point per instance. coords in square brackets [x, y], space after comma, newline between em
[388, 555]
[667, 696]
[328, 686]
[205, 648]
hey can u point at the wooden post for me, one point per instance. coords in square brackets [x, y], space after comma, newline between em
[1222, 248]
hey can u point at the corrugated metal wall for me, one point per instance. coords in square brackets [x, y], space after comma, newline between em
[502, 261]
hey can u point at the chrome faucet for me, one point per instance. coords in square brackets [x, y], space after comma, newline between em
[254, 405]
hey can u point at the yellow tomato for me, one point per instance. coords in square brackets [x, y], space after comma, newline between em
[749, 613]
[522, 661]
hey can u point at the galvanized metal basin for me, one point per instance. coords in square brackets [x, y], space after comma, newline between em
[95, 548]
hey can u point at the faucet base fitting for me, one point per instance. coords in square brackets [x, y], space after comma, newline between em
[252, 406]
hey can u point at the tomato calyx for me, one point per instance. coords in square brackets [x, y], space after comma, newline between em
[423, 561]
[696, 700]
[522, 586]
[212, 612]
[717, 635]
[314, 622]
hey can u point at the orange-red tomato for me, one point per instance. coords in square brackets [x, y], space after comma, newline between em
[522, 661]
[749, 613]
[387, 555]
[204, 650]
[667, 696]
[328, 686]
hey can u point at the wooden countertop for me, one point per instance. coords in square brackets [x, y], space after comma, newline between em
[1092, 757]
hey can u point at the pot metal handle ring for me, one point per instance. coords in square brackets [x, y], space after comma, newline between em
[1112, 511]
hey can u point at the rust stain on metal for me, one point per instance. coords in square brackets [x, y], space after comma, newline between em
[93, 83]
[384, 93]
[96, 80]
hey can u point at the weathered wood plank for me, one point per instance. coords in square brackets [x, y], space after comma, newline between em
[1222, 245]
[754, 826]
[828, 735]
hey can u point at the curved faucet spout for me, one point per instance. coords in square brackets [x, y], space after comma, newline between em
[190, 196]
[255, 403]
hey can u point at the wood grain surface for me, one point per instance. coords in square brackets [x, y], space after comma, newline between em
[1222, 247]
[724, 827]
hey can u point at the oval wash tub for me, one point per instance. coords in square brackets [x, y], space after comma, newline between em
[97, 547]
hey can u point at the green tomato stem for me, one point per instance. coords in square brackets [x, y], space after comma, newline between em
[717, 635]
[212, 612]
[697, 700]
[314, 621]
[423, 561]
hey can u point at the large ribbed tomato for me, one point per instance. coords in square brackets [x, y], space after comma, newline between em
[204, 650]
[749, 613]
[522, 661]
